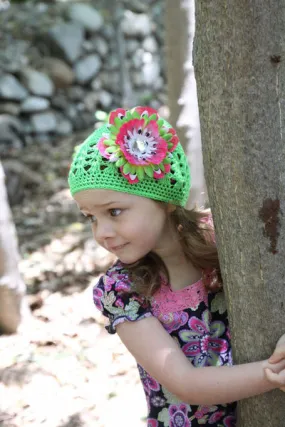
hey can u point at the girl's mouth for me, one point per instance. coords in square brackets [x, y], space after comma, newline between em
[116, 248]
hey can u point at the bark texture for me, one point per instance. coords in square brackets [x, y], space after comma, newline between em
[240, 71]
[182, 94]
[12, 287]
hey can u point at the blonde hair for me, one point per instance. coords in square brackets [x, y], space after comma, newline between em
[196, 237]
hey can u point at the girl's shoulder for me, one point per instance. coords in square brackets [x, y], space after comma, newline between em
[117, 276]
[114, 297]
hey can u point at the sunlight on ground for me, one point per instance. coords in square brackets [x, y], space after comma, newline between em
[66, 371]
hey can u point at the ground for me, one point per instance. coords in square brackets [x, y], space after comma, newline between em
[62, 369]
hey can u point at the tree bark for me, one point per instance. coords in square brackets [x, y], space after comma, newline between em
[12, 288]
[240, 72]
[182, 95]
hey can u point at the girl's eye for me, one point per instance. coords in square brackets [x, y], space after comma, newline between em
[91, 218]
[115, 212]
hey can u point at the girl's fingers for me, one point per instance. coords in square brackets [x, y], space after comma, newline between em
[278, 379]
[271, 376]
[275, 358]
[278, 355]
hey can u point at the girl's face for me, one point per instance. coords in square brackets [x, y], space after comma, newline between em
[128, 226]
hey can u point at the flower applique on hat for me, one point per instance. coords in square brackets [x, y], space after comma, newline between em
[138, 143]
[136, 152]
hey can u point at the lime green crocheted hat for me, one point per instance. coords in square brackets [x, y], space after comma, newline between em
[136, 152]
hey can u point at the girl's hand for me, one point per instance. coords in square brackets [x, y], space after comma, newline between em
[277, 379]
[272, 375]
[279, 352]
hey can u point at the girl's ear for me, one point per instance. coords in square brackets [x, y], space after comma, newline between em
[170, 208]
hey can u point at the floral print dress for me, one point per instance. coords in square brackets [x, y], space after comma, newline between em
[196, 319]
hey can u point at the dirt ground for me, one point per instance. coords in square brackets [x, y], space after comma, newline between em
[62, 369]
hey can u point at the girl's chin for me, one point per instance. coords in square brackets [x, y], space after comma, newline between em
[126, 260]
[130, 259]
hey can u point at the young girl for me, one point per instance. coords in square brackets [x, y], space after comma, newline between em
[163, 296]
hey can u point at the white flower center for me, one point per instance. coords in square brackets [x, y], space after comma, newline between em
[140, 143]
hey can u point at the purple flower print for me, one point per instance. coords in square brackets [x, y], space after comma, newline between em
[119, 302]
[178, 416]
[97, 297]
[216, 417]
[158, 401]
[149, 383]
[152, 423]
[108, 283]
[203, 345]
[173, 321]
[230, 421]
[203, 412]
[122, 286]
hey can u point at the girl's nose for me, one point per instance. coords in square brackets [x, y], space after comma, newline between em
[102, 231]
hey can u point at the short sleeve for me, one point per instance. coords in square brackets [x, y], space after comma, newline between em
[114, 297]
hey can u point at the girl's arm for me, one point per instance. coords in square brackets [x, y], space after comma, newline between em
[157, 352]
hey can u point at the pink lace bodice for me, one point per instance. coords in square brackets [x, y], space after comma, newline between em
[165, 300]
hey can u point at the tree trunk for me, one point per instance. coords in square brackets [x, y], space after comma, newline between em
[12, 288]
[240, 72]
[182, 95]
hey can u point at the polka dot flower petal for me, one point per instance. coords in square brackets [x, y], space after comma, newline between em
[139, 143]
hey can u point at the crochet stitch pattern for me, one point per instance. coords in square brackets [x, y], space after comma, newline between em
[136, 152]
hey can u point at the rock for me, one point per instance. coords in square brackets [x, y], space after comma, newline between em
[112, 64]
[137, 79]
[150, 45]
[83, 120]
[150, 73]
[96, 84]
[63, 126]
[132, 46]
[86, 68]
[158, 84]
[135, 5]
[111, 82]
[71, 112]
[88, 46]
[137, 58]
[44, 122]
[68, 62]
[76, 93]
[12, 108]
[105, 99]
[108, 32]
[134, 24]
[59, 101]
[11, 88]
[38, 83]
[90, 101]
[100, 46]
[11, 133]
[33, 104]
[60, 73]
[86, 15]
[66, 41]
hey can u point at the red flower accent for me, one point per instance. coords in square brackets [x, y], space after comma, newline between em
[133, 179]
[147, 110]
[139, 143]
[120, 113]
[174, 140]
[153, 148]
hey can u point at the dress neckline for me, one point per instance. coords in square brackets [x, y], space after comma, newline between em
[186, 288]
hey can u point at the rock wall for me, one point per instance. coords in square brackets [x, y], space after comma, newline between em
[62, 62]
